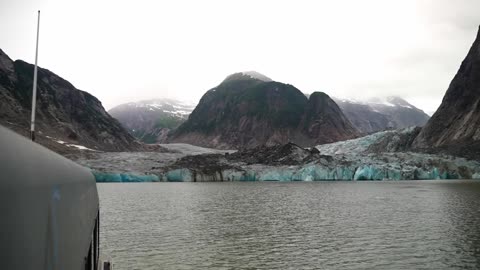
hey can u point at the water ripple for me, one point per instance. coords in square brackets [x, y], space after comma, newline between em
[320, 225]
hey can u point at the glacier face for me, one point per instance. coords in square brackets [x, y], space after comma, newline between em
[352, 160]
[309, 172]
[102, 177]
[316, 172]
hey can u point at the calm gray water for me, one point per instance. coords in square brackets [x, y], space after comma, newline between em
[298, 225]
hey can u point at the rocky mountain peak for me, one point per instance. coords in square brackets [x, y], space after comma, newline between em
[324, 121]
[321, 103]
[245, 112]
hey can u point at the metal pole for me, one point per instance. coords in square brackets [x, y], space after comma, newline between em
[34, 96]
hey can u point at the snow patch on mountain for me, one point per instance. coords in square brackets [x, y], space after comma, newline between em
[381, 113]
[246, 75]
[151, 120]
[390, 101]
[257, 75]
[80, 147]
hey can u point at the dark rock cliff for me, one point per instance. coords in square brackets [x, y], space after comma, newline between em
[63, 112]
[455, 126]
[324, 122]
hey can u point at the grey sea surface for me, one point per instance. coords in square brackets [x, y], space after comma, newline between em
[292, 225]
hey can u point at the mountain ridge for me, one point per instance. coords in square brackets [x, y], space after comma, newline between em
[64, 113]
[244, 112]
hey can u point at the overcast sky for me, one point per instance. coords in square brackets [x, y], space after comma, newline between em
[123, 51]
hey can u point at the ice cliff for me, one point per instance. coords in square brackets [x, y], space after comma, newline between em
[380, 156]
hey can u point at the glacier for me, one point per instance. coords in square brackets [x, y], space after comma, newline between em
[102, 177]
[315, 172]
[361, 159]
[309, 172]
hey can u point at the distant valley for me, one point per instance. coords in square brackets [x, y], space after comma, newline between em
[377, 114]
[150, 121]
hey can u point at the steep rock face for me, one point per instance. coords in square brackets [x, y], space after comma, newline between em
[324, 122]
[151, 120]
[63, 112]
[381, 114]
[455, 126]
[246, 111]
[9, 106]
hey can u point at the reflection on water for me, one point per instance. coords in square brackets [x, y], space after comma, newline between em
[326, 225]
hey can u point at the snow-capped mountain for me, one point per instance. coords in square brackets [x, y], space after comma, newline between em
[151, 120]
[378, 114]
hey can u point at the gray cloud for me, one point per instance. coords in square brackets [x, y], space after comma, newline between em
[122, 51]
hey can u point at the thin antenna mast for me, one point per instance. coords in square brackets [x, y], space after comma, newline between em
[34, 96]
